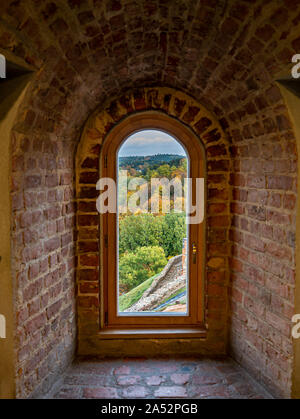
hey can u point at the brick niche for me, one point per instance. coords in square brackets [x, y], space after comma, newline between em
[186, 110]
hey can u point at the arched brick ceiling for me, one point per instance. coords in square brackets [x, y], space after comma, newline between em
[225, 53]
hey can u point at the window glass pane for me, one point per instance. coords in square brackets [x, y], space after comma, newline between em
[152, 230]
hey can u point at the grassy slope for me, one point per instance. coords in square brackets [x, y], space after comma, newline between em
[131, 297]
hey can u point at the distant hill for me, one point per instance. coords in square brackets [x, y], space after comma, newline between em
[156, 159]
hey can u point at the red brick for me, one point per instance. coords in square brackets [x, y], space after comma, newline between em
[88, 246]
[100, 393]
[89, 177]
[135, 392]
[191, 114]
[127, 380]
[89, 260]
[280, 182]
[122, 370]
[170, 392]
[89, 206]
[180, 379]
[90, 163]
[289, 201]
[52, 244]
[89, 288]
[88, 302]
[258, 213]
[33, 181]
[36, 323]
[155, 380]
[218, 150]
[53, 310]
[88, 274]
[88, 220]
[256, 181]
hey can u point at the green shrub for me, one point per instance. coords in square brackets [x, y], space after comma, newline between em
[136, 267]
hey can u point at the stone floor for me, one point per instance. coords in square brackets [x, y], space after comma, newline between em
[157, 378]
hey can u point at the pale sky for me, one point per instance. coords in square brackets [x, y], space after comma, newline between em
[149, 142]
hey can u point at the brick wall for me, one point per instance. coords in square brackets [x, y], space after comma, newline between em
[263, 262]
[264, 153]
[43, 260]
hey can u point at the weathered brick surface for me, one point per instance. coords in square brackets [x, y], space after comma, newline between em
[264, 256]
[263, 210]
[43, 260]
[156, 379]
[228, 57]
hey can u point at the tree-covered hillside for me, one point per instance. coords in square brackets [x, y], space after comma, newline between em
[148, 240]
[142, 163]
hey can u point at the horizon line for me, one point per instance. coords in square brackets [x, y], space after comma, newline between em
[149, 155]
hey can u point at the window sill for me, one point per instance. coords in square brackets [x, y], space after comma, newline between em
[158, 333]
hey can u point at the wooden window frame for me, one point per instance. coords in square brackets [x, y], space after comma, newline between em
[108, 224]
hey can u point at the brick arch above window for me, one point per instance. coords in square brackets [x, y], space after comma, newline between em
[204, 125]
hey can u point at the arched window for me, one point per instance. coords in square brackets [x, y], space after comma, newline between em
[153, 239]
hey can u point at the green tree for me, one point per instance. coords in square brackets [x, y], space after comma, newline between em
[173, 231]
[164, 171]
[139, 230]
[143, 230]
[151, 173]
[135, 268]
